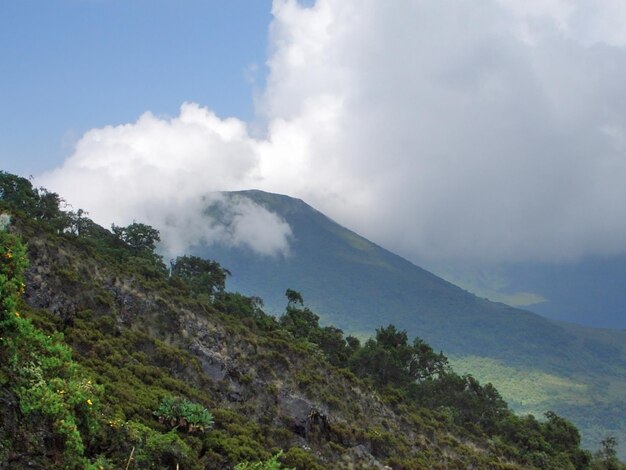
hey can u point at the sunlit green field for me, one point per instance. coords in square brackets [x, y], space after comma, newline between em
[594, 406]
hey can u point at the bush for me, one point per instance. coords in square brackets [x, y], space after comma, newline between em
[153, 449]
[179, 412]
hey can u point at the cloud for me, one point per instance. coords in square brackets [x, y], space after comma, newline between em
[241, 222]
[441, 129]
[164, 172]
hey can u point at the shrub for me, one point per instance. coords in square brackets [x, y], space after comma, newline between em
[179, 412]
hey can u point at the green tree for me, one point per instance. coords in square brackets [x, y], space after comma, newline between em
[330, 340]
[17, 193]
[78, 223]
[303, 323]
[294, 298]
[605, 458]
[563, 435]
[201, 275]
[389, 359]
[297, 319]
[139, 237]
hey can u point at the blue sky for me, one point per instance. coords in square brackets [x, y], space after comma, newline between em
[71, 65]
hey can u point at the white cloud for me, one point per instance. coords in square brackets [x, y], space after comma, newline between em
[164, 171]
[442, 129]
[249, 225]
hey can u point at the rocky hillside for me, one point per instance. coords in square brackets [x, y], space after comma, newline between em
[110, 361]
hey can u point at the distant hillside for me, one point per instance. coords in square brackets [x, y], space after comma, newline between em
[589, 291]
[360, 286]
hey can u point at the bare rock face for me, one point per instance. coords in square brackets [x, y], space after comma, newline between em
[302, 413]
[213, 364]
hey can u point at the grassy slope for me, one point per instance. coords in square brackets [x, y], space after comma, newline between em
[359, 286]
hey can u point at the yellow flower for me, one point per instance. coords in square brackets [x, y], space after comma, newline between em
[89, 402]
[17, 314]
[9, 254]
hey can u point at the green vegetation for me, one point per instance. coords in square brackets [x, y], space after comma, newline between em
[108, 361]
[526, 389]
[180, 413]
[38, 369]
[271, 464]
[597, 407]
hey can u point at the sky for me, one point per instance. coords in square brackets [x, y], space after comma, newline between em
[68, 66]
[442, 130]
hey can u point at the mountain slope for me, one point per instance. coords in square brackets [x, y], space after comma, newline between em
[360, 286]
[151, 351]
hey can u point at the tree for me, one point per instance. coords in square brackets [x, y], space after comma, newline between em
[425, 363]
[389, 359]
[563, 435]
[606, 457]
[293, 298]
[201, 275]
[297, 319]
[78, 222]
[139, 237]
[352, 345]
[303, 323]
[330, 340]
[18, 193]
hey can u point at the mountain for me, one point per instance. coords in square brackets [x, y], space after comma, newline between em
[359, 286]
[108, 360]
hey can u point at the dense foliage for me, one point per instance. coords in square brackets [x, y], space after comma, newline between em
[39, 371]
[136, 387]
